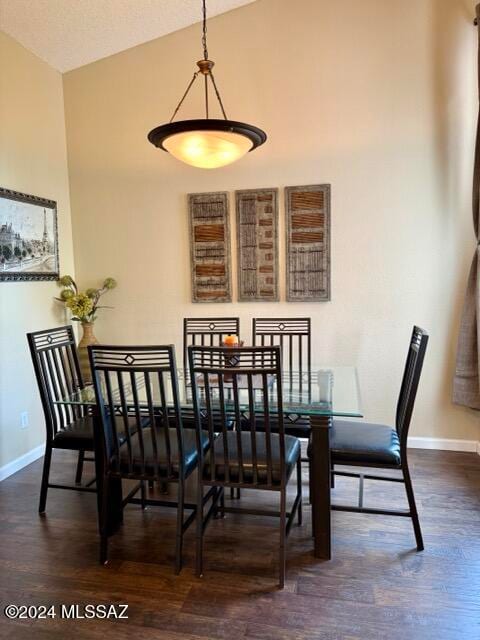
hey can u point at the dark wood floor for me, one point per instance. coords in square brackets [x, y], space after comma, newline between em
[376, 586]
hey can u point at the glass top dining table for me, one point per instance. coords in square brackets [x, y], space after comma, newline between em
[322, 394]
[324, 391]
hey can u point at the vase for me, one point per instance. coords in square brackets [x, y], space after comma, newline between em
[88, 338]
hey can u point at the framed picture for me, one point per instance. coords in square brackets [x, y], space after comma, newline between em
[257, 243]
[307, 210]
[210, 247]
[28, 237]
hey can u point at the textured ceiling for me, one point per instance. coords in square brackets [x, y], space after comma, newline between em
[70, 33]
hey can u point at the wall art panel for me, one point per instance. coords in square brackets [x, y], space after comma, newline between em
[307, 211]
[257, 244]
[210, 247]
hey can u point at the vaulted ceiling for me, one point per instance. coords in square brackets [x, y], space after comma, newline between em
[71, 33]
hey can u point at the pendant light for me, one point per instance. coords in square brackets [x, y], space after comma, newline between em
[206, 143]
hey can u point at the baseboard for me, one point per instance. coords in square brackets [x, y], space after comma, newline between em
[444, 444]
[17, 464]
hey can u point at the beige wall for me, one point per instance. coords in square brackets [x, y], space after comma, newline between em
[32, 160]
[375, 97]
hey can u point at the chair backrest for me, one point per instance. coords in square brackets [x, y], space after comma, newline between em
[137, 394]
[243, 383]
[294, 337]
[207, 332]
[57, 370]
[411, 378]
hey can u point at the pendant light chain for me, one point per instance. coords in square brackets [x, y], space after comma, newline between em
[205, 56]
[205, 52]
[204, 36]
[207, 73]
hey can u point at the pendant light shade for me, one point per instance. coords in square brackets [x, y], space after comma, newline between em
[208, 149]
[206, 143]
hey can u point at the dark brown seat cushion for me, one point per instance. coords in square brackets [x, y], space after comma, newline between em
[292, 453]
[161, 458]
[364, 442]
[79, 434]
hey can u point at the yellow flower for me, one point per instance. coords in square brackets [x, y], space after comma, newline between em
[91, 293]
[80, 305]
[109, 283]
[65, 281]
[66, 294]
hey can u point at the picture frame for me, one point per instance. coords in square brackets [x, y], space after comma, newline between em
[307, 211]
[257, 245]
[210, 253]
[28, 238]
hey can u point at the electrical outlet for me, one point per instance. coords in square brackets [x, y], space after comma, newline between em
[24, 420]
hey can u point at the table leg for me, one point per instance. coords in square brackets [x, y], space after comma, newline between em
[320, 485]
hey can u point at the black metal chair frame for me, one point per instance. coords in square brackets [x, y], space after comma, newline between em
[58, 374]
[151, 363]
[226, 363]
[405, 405]
[207, 332]
[283, 331]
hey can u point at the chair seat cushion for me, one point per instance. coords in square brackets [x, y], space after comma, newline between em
[157, 464]
[79, 434]
[292, 453]
[295, 425]
[364, 442]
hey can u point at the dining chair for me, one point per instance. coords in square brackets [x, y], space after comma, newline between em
[244, 458]
[57, 370]
[362, 444]
[140, 383]
[207, 332]
[293, 335]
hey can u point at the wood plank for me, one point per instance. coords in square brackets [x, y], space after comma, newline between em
[308, 200]
[209, 233]
[205, 270]
[307, 237]
[213, 293]
[307, 220]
